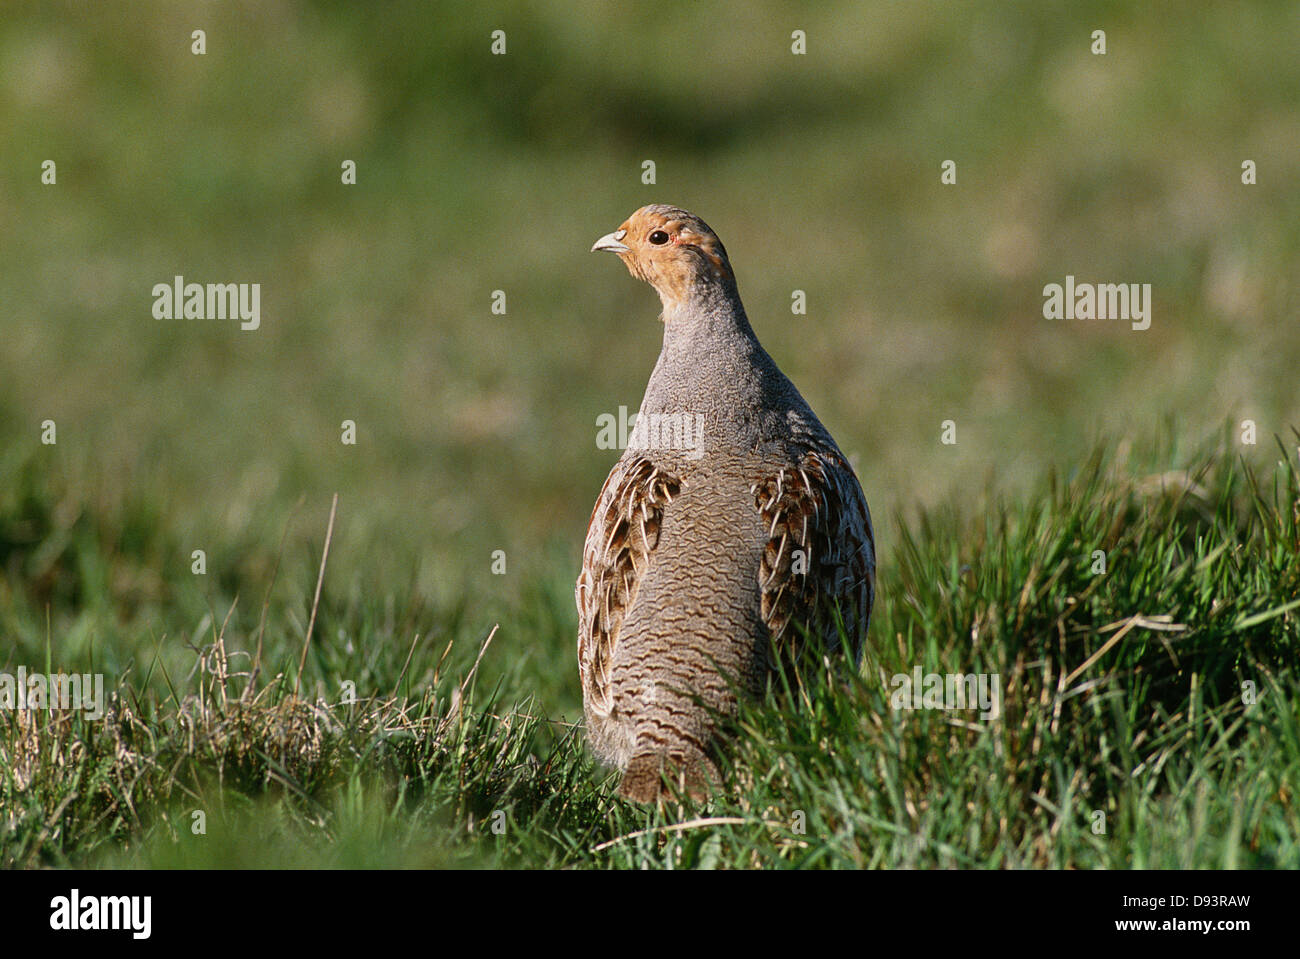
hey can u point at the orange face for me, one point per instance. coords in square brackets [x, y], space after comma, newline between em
[672, 250]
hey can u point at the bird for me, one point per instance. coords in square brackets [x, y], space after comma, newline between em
[731, 537]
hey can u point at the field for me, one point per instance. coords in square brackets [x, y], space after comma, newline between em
[406, 701]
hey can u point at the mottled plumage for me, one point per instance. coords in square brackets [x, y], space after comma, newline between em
[728, 526]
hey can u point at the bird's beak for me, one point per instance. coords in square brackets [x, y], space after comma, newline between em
[612, 242]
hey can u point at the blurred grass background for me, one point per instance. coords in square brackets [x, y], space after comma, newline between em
[478, 172]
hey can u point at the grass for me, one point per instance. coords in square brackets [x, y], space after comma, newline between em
[1125, 738]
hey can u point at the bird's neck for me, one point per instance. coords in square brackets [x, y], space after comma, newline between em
[710, 356]
[712, 319]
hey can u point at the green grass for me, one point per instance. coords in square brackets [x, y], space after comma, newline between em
[452, 754]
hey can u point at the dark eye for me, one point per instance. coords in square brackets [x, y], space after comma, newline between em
[658, 237]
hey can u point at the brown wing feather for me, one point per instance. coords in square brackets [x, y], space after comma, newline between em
[621, 536]
[820, 557]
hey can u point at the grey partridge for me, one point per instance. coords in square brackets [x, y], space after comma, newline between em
[730, 536]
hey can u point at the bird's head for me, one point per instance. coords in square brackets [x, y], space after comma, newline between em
[672, 250]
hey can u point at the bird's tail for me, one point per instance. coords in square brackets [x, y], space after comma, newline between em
[651, 776]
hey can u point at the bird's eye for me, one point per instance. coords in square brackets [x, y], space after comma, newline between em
[658, 237]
